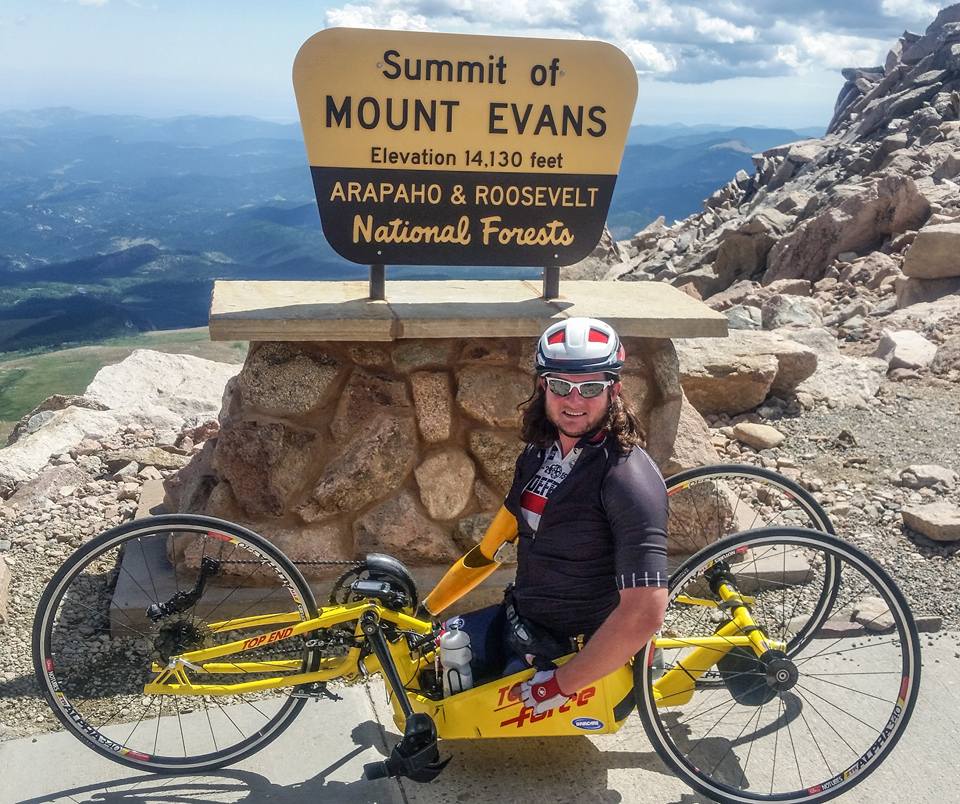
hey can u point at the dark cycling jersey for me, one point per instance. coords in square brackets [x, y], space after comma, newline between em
[602, 530]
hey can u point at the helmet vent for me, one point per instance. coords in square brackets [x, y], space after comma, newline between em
[579, 345]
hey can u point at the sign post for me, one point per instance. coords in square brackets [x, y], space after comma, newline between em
[378, 282]
[447, 149]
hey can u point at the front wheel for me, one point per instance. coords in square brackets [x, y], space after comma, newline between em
[139, 595]
[788, 726]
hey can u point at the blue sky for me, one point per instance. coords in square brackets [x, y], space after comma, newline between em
[719, 61]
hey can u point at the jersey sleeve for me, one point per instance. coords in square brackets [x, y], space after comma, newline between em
[635, 499]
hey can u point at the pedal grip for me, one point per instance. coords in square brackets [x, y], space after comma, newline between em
[375, 770]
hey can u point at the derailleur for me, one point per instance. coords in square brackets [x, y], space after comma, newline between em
[183, 600]
[416, 756]
[315, 691]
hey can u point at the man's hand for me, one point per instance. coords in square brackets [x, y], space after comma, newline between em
[542, 692]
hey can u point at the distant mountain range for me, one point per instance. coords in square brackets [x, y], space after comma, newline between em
[678, 132]
[114, 223]
[669, 170]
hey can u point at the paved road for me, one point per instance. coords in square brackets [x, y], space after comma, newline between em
[320, 759]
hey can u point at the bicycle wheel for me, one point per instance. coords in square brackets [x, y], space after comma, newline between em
[800, 728]
[95, 637]
[710, 502]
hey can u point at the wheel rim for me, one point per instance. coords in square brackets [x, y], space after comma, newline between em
[843, 698]
[711, 502]
[95, 643]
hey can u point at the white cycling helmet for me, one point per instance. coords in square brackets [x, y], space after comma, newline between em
[579, 346]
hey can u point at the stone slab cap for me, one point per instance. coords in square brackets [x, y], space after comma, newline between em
[341, 311]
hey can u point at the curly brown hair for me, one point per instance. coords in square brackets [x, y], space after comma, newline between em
[621, 422]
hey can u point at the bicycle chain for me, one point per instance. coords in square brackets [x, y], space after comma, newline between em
[308, 561]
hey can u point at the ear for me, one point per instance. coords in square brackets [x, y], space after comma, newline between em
[615, 390]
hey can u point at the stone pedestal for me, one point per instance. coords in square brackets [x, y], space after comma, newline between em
[358, 426]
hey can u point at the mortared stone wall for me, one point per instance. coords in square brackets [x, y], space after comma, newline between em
[336, 449]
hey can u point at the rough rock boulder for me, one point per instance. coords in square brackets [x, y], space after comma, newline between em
[862, 220]
[147, 390]
[934, 253]
[736, 373]
[177, 388]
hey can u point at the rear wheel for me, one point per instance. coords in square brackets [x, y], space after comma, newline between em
[145, 592]
[798, 725]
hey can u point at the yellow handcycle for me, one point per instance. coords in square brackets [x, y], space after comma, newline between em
[786, 670]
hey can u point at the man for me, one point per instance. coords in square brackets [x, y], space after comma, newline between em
[588, 508]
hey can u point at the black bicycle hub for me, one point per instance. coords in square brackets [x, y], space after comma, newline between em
[781, 672]
[179, 636]
[756, 681]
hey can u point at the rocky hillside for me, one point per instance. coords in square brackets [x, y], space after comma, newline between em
[835, 264]
[841, 251]
[862, 222]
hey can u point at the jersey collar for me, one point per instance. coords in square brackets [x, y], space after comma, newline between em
[594, 439]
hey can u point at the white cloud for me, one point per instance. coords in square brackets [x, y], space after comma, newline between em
[910, 9]
[790, 55]
[96, 3]
[832, 51]
[395, 19]
[720, 30]
[524, 13]
[680, 41]
[626, 17]
[647, 58]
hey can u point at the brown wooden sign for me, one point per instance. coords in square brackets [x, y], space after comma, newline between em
[448, 149]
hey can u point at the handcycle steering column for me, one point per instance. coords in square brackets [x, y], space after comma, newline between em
[416, 756]
[677, 686]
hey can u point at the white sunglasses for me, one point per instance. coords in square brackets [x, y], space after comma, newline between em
[588, 389]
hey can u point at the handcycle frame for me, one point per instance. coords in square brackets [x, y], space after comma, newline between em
[492, 709]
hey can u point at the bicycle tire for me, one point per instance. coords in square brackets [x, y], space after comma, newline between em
[79, 609]
[895, 688]
[809, 514]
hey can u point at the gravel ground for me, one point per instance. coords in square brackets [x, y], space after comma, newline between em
[34, 543]
[849, 458]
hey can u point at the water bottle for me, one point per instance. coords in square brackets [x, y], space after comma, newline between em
[455, 656]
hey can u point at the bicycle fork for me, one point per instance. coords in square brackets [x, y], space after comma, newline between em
[416, 756]
[677, 685]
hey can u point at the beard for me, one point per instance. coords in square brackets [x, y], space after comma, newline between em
[584, 426]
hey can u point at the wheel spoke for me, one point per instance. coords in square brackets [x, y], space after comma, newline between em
[816, 742]
[743, 775]
[854, 689]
